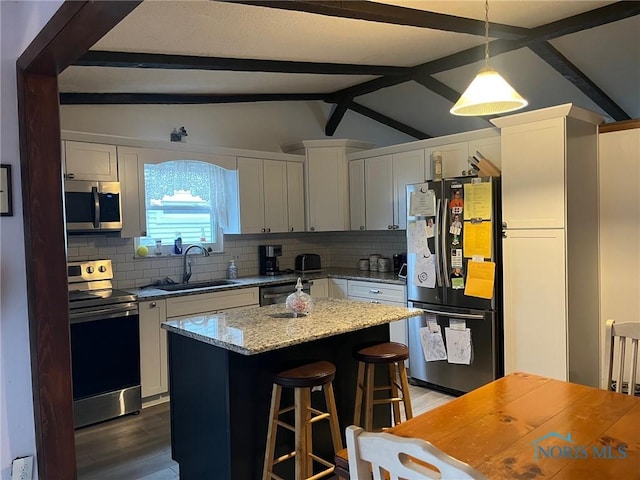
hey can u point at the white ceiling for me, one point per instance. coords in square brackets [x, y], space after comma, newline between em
[609, 55]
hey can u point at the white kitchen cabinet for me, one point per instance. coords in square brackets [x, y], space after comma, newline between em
[455, 158]
[263, 195]
[387, 294]
[408, 167]
[153, 348]
[90, 161]
[320, 288]
[338, 288]
[295, 196]
[327, 189]
[356, 194]
[134, 218]
[535, 331]
[211, 302]
[379, 206]
[550, 254]
[533, 171]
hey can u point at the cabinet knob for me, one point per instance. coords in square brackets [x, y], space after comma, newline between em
[374, 291]
[152, 305]
[389, 227]
[504, 234]
[313, 229]
[70, 176]
[361, 227]
[264, 230]
[144, 233]
[268, 230]
[375, 301]
[504, 225]
[291, 229]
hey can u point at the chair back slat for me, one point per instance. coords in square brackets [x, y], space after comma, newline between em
[623, 332]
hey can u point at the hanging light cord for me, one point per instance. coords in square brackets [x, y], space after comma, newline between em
[486, 32]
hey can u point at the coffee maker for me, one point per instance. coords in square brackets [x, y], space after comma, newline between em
[268, 259]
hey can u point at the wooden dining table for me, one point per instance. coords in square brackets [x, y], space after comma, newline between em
[524, 426]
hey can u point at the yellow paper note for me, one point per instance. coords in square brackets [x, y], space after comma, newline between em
[477, 200]
[477, 239]
[480, 279]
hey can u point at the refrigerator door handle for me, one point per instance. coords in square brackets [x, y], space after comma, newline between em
[469, 316]
[438, 274]
[443, 240]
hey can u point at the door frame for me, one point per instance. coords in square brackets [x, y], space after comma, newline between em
[72, 30]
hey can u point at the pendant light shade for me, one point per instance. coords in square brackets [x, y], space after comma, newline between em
[488, 93]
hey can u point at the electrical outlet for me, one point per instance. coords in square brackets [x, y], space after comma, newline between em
[22, 468]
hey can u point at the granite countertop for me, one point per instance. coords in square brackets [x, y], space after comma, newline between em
[256, 330]
[150, 293]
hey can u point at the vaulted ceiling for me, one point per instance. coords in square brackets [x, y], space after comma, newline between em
[400, 62]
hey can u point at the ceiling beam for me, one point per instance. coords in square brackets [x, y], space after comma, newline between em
[436, 86]
[180, 98]
[338, 111]
[389, 122]
[96, 58]
[392, 14]
[568, 70]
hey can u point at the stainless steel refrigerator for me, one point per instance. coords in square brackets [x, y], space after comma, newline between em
[454, 240]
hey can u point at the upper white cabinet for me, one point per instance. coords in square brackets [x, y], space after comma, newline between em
[455, 158]
[327, 182]
[533, 172]
[378, 189]
[408, 167]
[90, 161]
[356, 194]
[134, 219]
[295, 196]
[263, 195]
[550, 244]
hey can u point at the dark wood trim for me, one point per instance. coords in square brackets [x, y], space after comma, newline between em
[618, 126]
[180, 99]
[71, 31]
[568, 70]
[436, 86]
[389, 122]
[338, 111]
[392, 14]
[96, 58]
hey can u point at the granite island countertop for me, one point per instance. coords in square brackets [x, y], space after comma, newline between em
[256, 330]
[151, 293]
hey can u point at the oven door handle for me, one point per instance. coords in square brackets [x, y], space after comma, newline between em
[103, 313]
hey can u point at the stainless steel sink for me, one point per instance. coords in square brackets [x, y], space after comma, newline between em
[195, 285]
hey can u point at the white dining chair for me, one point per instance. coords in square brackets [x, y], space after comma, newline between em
[623, 331]
[381, 453]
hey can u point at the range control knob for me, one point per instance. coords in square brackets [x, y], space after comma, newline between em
[90, 270]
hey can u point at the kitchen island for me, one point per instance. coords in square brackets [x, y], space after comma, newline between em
[221, 368]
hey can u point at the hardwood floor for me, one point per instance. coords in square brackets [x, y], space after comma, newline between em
[138, 447]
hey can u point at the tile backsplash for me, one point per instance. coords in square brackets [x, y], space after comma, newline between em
[337, 249]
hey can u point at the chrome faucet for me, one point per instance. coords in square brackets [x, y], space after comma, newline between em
[186, 264]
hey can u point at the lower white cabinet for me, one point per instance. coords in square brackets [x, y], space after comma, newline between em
[387, 294]
[320, 288]
[153, 348]
[338, 288]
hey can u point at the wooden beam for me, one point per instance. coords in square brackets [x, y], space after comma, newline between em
[181, 99]
[568, 70]
[389, 122]
[95, 58]
[339, 109]
[436, 86]
[392, 14]
[70, 32]
[617, 126]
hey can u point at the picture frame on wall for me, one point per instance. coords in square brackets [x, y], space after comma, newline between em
[6, 204]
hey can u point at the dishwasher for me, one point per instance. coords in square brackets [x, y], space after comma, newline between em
[272, 294]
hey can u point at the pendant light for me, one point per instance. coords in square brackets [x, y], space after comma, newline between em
[488, 93]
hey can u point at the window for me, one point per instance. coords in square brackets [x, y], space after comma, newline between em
[185, 198]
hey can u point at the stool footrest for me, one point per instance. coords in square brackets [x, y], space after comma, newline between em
[321, 416]
[283, 458]
[285, 425]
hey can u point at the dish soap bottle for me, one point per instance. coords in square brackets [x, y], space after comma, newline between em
[232, 270]
[298, 302]
[177, 244]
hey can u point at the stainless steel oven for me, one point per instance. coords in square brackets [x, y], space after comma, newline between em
[105, 345]
[272, 294]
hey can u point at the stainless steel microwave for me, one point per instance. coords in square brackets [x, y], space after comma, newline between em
[92, 206]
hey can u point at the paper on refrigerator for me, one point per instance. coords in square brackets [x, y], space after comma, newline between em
[433, 347]
[458, 345]
[417, 236]
[425, 269]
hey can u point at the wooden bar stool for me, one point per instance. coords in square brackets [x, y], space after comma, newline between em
[392, 354]
[302, 379]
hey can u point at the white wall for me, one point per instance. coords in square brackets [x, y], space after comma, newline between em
[258, 126]
[20, 22]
